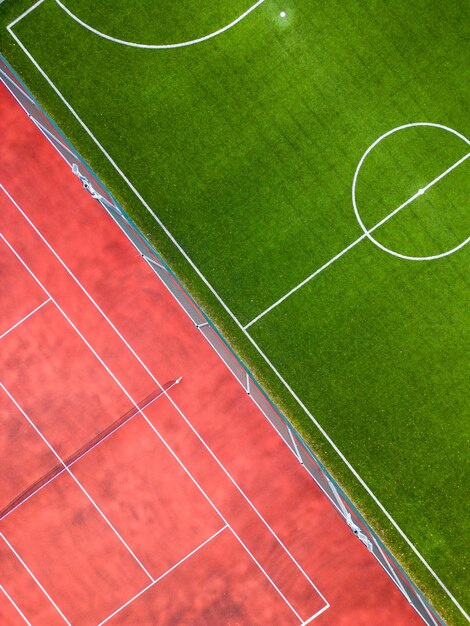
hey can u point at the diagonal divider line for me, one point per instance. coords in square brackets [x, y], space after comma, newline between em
[23, 319]
[356, 241]
[161, 439]
[150, 373]
[142, 591]
[34, 578]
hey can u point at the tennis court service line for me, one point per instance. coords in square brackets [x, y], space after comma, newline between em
[23, 319]
[164, 443]
[7, 595]
[150, 373]
[142, 591]
[34, 578]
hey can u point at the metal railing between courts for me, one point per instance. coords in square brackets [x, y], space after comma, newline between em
[291, 437]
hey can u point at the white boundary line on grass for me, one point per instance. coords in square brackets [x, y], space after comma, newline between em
[292, 558]
[419, 193]
[168, 46]
[34, 578]
[7, 595]
[235, 319]
[367, 233]
[23, 319]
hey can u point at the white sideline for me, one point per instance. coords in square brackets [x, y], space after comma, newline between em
[142, 591]
[239, 324]
[23, 319]
[1, 587]
[359, 239]
[164, 443]
[34, 578]
[150, 373]
[168, 46]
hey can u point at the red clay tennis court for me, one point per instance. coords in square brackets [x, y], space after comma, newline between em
[140, 483]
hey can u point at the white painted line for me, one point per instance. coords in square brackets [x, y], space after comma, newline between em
[53, 137]
[357, 476]
[367, 235]
[32, 494]
[17, 87]
[2, 588]
[24, 318]
[52, 449]
[420, 192]
[79, 484]
[317, 614]
[24, 14]
[87, 452]
[137, 595]
[240, 326]
[125, 179]
[35, 579]
[162, 440]
[305, 281]
[150, 373]
[181, 44]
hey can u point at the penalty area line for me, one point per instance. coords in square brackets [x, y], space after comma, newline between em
[365, 235]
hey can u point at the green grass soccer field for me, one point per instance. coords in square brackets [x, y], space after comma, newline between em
[310, 161]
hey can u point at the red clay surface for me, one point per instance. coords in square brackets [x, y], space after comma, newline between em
[194, 512]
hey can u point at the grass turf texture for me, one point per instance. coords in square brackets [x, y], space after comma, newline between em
[246, 147]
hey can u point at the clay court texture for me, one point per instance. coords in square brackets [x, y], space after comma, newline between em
[304, 169]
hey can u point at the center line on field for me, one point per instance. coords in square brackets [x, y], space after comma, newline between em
[365, 235]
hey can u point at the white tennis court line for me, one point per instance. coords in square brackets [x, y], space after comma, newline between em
[79, 484]
[416, 195]
[168, 46]
[3, 589]
[23, 319]
[163, 441]
[84, 454]
[230, 313]
[137, 595]
[150, 373]
[34, 578]
[314, 617]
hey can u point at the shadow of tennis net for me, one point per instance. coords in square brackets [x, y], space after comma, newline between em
[66, 464]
